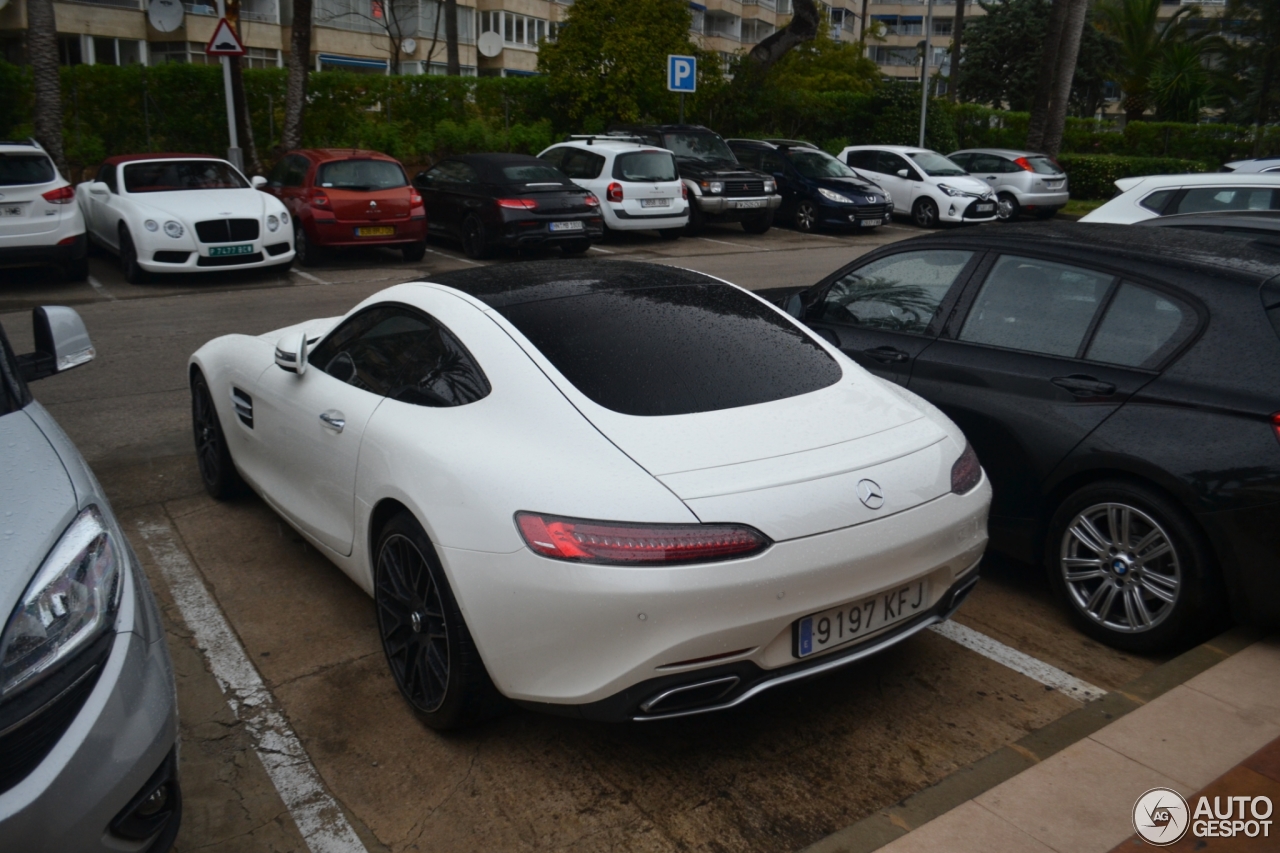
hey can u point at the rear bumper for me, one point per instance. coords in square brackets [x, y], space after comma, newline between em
[55, 254]
[530, 232]
[622, 220]
[1038, 201]
[342, 233]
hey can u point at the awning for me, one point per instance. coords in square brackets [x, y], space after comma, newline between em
[697, 7]
[911, 19]
[350, 61]
[511, 72]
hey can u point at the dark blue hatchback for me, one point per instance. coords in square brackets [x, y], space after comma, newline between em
[818, 191]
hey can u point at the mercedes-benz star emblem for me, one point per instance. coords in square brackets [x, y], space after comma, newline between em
[870, 494]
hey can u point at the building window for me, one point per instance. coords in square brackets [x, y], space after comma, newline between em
[943, 26]
[518, 30]
[70, 51]
[110, 51]
[261, 57]
[179, 51]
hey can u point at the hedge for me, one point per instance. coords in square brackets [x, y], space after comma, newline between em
[1093, 176]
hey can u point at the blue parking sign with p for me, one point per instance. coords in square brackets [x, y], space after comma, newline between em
[682, 73]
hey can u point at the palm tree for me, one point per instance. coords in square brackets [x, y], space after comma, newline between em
[1144, 40]
[1250, 72]
[42, 46]
[295, 94]
[1180, 84]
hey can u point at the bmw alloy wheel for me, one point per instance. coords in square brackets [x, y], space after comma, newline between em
[1120, 567]
[411, 618]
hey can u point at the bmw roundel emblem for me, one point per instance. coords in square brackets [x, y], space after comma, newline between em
[869, 493]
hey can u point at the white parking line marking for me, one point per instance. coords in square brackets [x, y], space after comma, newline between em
[598, 249]
[456, 258]
[900, 228]
[734, 245]
[97, 285]
[320, 820]
[1019, 662]
[309, 277]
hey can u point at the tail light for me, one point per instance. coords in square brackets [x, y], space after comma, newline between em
[966, 472]
[62, 195]
[591, 200]
[518, 203]
[684, 191]
[623, 543]
[415, 198]
[320, 200]
[1025, 164]
[614, 193]
[1275, 425]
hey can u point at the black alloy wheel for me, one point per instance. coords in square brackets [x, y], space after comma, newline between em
[925, 213]
[806, 216]
[217, 471]
[1132, 567]
[670, 233]
[430, 651]
[1007, 208]
[304, 252]
[133, 271]
[475, 242]
[758, 224]
[414, 252]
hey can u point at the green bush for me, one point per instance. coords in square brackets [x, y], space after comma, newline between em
[1093, 176]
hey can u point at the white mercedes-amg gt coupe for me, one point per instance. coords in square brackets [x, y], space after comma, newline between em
[603, 489]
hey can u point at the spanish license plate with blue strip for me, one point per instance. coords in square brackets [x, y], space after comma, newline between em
[849, 622]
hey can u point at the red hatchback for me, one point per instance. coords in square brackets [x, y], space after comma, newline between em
[348, 197]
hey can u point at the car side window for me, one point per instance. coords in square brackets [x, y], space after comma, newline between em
[275, 178]
[773, 163]
[900, 293]
[107, 174]
[862, 160]
[890, 164]
[1216, 199]
[1036, 306]
[582, 165]
[961, 160]
[397, 352]
[296, 174]
[1157, 200]
[1141, 328]
[749, 157]
[555, 156]
[986, 163]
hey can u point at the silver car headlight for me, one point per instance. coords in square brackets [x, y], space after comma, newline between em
[834, 196]
[173, 229]
[770, 187]
[888, 199]
[949, 190]
[151, 225]
[715, 187]
[273, 224]
[284, 217]
[72, 600]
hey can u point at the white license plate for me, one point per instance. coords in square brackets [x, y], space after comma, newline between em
[1054, 185]
[868, 223]
[567, 226]
[11, 210]
[749, 203]
[655, 202]
[846, 623]
[984, 208]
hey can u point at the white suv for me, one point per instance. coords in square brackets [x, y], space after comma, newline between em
[40, 222]
[638, 185]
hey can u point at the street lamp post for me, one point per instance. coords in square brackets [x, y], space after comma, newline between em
[924, 67]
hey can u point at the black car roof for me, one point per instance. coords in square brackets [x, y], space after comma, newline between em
[1164, 247]
[513, 284]
[489, 166]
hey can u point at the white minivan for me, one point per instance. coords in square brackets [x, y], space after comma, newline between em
[638, 185]
[924, 184]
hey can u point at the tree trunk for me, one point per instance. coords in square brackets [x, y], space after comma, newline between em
[1264, 99]
[1048, 66]
[453, 65]
[802, 28]
[244, 127]
[42, 45]
[295, 94]
[957, 42]
[1064, 76]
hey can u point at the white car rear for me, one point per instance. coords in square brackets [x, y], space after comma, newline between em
[925, 185]
[40, 222]
[638, 185]
[1164, 195]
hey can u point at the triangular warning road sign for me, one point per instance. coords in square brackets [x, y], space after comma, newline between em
[225, 42]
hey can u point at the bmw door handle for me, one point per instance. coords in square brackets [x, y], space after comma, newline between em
[334, 420]
[887, 355]
[1084, 386]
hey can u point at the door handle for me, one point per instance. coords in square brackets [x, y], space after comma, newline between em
[1084, 386]
[334, 420]
[887, 354]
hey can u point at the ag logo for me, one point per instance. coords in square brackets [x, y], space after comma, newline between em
[870, 494]
[1160, 816]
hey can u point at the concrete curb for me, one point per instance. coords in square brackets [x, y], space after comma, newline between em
[875, 831]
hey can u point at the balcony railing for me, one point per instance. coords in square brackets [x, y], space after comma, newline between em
[116, 4]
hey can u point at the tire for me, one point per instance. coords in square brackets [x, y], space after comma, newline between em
[670, 233]
[428, 648]
[77, 269]
[305, 252]
[414, 252]
[221, 479]
[1134, 595]
[758, 224]
[577, 247]
[805, 217]
[1007, 208]
[133, 272]
[924, 213]
[475, 242]
[697, 221]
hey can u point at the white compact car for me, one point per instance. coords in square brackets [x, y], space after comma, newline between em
[638, 185]
[1165, 195]
[604, 489]
[1260, 164]
[924, 184]
[184, 213]
[40, 223]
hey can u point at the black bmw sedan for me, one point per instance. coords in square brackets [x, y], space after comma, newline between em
[1121, 386]
[508, 201]
[818, 191]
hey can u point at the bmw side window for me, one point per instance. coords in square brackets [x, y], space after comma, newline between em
[900, 293]
[1157, 200]
[402, 354]
[1141, 328]
[1036, 306]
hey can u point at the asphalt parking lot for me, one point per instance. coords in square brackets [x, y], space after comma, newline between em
[779, 773]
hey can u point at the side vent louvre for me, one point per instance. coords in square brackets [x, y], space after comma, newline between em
[244, 406]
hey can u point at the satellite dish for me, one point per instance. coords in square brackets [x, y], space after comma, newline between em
[165, 15]
[489, 44]
[408, 46]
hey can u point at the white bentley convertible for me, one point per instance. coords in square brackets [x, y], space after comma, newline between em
[611, 490]
[183, 213]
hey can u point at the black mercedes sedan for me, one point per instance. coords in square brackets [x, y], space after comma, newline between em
[491, 202]
[818, 191]
[1121, 386]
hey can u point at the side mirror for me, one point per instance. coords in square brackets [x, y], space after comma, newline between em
[794, 306]
[291, 357]
[99, 188]
[62, 342]
[903, 173]
[258, 182]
